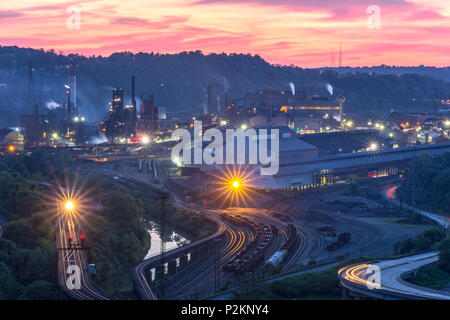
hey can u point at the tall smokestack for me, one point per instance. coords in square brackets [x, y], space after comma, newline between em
[36, 131]
[68, 105]
[133, 102]
[73, 87]
[218, 104]
[341, 99]
[435, 107]
[209, 99]
[152, 106]
[226, 100]
[30, 85]
[133, 91]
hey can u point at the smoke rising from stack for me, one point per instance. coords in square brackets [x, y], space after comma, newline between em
[292, 88]
[329, 88]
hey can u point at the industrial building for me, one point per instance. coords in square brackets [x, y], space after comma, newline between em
[120, 123]
[61, 125]
[302, 113]
[290, 148]
[345, 168]
[11, 139]
[148, 114]
[336, 142]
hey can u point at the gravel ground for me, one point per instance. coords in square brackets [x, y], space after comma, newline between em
[371, 223]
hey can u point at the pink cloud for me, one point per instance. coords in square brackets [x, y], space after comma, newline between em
[411, 32]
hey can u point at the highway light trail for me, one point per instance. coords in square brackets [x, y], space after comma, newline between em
[392, 272]
[390, 193]
[354, 274]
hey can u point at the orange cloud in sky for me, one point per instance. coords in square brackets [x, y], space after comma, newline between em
[300, 32]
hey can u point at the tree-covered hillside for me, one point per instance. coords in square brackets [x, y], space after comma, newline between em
[427, 183]
[178, 81]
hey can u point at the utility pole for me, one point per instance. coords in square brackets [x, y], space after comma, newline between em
[332, 58]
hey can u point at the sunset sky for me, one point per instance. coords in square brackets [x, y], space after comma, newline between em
[300, 32]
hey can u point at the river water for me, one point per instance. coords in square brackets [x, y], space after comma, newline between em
[175, 240]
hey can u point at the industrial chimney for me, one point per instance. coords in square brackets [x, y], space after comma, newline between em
[218, 104]
[133, 103]
[68, 104]
[340, 99]
[209, 99]
[30, 85]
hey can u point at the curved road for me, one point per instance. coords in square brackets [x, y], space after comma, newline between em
[389, 193]
[392, 286]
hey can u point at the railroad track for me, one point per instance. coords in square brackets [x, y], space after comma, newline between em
[302, 242]
[237, 241]
[68, 257]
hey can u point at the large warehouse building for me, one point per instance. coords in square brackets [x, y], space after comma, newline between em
[345, 168]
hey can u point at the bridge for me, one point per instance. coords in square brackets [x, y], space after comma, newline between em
[356, 282]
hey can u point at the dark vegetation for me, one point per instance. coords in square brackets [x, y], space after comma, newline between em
[426, 240]
[117, 241]
[436, 275]
[414, 218]
[28, 259]
[27, 250]
[317, 285]
[193, 226]
[351, 189]
[427, 184]
[117, 235]
[186, 74]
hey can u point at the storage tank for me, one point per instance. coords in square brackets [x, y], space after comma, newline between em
[91, 269]
[276, 258]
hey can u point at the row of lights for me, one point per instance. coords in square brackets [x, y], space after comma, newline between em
[78, 119]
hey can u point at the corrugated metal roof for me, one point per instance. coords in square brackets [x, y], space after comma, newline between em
[361, 158]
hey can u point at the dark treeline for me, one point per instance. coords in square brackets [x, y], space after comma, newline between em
[186, 74]
[427, 183]
[436, 72]
[426, 240]
[28, 265]
[117, 240]
[116, 236]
